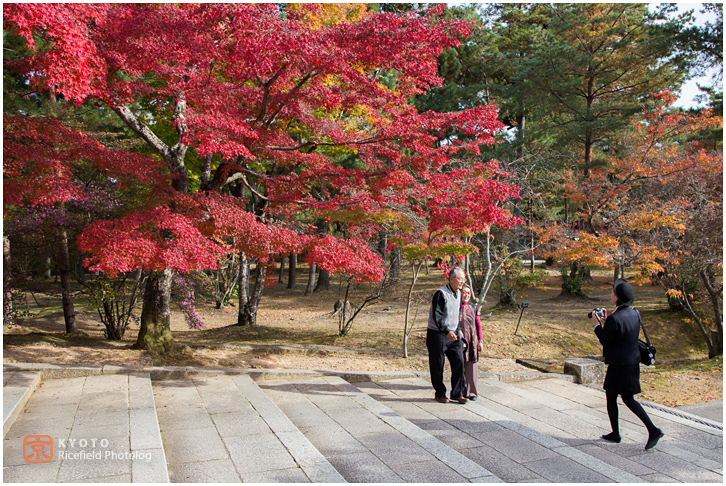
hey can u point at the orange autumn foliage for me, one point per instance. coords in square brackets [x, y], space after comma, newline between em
[628, 204]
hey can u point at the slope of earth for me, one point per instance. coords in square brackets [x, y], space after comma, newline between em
[295, 331]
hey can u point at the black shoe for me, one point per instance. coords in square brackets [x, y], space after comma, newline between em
[653, 439]
[472, 398]
[612, 437]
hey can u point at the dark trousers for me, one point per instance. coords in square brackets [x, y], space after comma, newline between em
[439, 348]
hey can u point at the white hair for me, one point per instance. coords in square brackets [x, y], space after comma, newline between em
[454, 271]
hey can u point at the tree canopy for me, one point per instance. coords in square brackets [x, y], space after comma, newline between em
[285, 111]
[341, 132]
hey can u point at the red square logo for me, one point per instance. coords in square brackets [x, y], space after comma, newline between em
[37, 448]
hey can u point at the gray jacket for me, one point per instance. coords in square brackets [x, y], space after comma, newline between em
[444, 313]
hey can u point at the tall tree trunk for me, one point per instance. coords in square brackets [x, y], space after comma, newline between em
[382, 243]
[531, 234]
[567, 210]
[489, 271]
[226, 280]
[80, 270]
[324, 276]
[155, 332]
[248, 314]
[243, 282]
[521, 130]
[323, 280]
[415, 269]
[69, 314]
[292, 272]
[218, 284]
[7, 270]
[311, 280]
[589, 142]
[282, 269]
[113, 330]
[486, 90]
[716, 303]
[686, 305]
[396, 264]
[467, 264]
[206, 177]
[588, 154]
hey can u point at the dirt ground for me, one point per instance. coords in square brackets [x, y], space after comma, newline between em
[297, 332]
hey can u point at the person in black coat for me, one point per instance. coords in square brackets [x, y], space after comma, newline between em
[619, 338]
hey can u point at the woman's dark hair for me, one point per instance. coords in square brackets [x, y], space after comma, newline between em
[473, 300]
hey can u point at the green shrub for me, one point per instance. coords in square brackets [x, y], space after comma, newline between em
[572, 285]
[532, 279]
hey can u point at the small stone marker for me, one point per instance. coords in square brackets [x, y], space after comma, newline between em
[586, 370]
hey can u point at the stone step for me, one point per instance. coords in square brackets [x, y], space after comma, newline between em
[513, 451]
[225, 429]
[690, 450]
[115, 424]
[18, 386]
[365, 440]
[692, 434]
[91, 429]
[593, 396]
[578, 415]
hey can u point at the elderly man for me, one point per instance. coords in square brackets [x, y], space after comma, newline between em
[442, 338]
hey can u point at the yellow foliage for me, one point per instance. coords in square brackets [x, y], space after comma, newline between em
[360, 216]
[321, 15]
[589, 250]
[649, 220]
[674, 293]
[420, 250]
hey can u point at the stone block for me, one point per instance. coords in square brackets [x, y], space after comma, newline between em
[50, 371]
[159, 373]
[121, 370]
[585, 370]
[16, 392]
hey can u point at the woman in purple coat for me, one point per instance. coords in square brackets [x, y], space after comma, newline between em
[470, 327]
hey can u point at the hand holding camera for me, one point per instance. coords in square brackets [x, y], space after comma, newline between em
[597, 315]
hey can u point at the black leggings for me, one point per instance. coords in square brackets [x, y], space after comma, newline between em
[634, 406]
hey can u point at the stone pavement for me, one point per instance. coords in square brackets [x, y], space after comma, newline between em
[121, 424]
[102, 428]
[712, 410]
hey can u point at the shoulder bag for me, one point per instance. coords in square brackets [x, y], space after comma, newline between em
[647, 350]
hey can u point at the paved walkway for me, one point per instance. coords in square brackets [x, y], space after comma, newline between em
[712, 410]
[100, 428]
[117, 424]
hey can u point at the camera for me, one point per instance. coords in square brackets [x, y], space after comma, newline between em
[600, 312]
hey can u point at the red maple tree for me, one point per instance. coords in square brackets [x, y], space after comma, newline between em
[265, 100]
